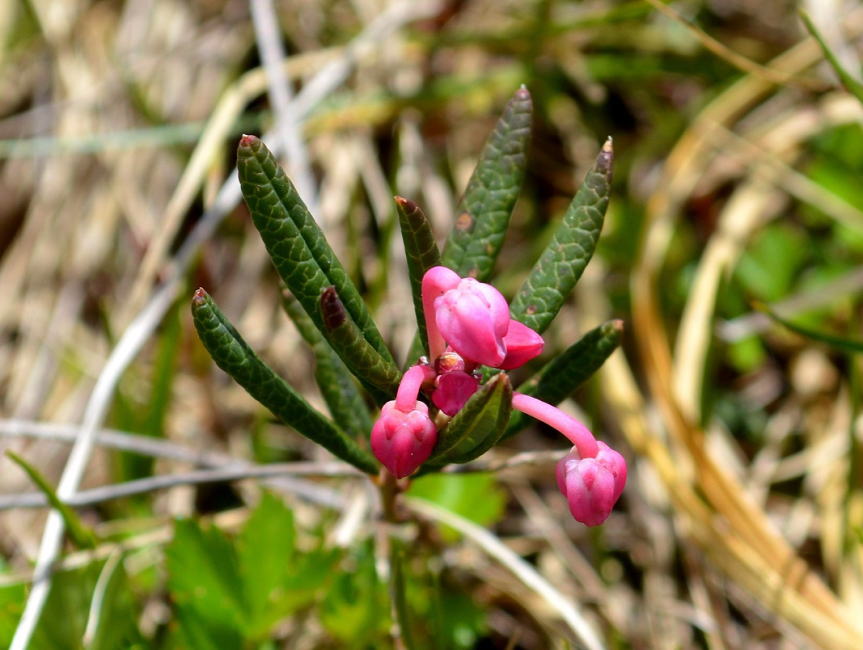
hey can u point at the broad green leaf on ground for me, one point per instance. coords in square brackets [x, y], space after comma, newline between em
[64, 619]
[356, 609]
[265, 550]
[298, 248]
[562, 375]
[485, 209]
[12, 599]
[337, 385]
[233, 355]
[475, 496]
[422, 254]
[484, 416]
[380, 377]
[564, 259]
[205, 585]
[113, 614]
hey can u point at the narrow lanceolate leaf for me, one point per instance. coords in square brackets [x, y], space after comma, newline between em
[81, 535]
[485, 208]
[421, 252]
[380, 377]
[852, 85]
[561, 376]
[484, 416]
[233, 355]
[843, 344]
[564, 259]
[297, 246]
[335, 382]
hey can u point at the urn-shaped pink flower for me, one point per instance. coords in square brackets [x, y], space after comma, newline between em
[401, 440]
[591, 485]
[473, 318]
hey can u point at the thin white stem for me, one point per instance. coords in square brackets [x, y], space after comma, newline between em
[198, 477]
[288, 124]
[121, 440]
[492, 545]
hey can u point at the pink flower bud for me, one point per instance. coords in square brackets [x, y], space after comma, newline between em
[473, 318]
[402, 441]
[522, 344]
[453, 390]
[591, 485]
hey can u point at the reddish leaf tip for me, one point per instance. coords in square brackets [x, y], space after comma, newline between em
[332, 309]
[249, 140]
[199, 297]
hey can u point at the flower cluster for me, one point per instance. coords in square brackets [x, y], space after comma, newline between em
[468, 325]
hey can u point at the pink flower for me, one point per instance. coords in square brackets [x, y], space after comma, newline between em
[591, 485]
[401, 440]
[592, 475]
[473, 318]
[522, 344]
[453, 390]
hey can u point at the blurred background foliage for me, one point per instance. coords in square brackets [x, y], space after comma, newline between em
[738, 159]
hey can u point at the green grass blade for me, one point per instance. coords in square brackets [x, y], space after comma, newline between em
[335, 382]
[297, 246]
[565, 258]
[80, 534]
[484, 416]
[233, 355]
[851, 84]
[422, 254]
[487, 204]
[562, 375]
[380, 377]
[846, 345]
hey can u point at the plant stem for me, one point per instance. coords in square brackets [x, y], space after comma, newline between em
[390, 488]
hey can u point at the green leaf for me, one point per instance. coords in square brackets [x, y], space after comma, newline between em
[487, 204]
[12, 599]
[398, 591]
[846, 345]
[205, 585]
[115, 619]
[299, 251]
[562, 375]
[422, 254]
[484, 416]
[233, 355]
[380, 377]
[851, 84]
[81, 535]
[335, 382]
[356, 608]
[564, 259]
[265, 550]
[64, 618]
[475, 496]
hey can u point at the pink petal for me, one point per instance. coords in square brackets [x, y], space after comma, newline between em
[522, 344]
[473, 318]
[403, 441]
[454, 390]
[591, 485]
